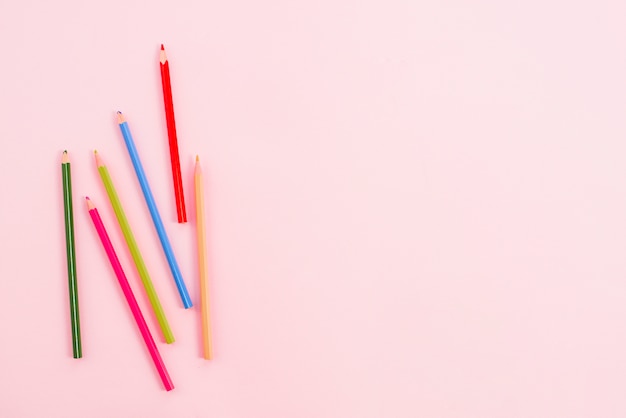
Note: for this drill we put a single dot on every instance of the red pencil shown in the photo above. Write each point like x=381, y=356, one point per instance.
x=171, y=133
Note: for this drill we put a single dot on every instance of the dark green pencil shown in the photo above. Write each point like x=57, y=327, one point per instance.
x=71, y=255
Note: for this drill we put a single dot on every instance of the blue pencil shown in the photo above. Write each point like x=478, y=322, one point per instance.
x=154, y=212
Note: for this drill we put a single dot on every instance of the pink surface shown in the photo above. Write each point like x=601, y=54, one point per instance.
x=415, y=209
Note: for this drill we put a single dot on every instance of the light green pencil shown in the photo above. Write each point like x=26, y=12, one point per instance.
x=134, y=250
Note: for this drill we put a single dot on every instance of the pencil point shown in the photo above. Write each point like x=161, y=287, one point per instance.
x=99, y=162
x=162, y=49
x=65, y=159
x=120, y=117
x=162, y=56
x=197, y=158
x=90, y=204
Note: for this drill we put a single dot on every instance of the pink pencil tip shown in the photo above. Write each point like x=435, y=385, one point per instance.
x=87, y=197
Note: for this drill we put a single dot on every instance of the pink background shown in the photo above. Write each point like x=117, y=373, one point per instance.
x=415, y=209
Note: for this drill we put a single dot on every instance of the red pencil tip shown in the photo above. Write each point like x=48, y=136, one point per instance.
x=162, y=49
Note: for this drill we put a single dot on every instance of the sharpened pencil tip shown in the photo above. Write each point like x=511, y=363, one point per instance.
x=120, y=117
x=90, y=204
x=99, y=162
x=197, y=158
x=87, y=198
x=65, y=158
x=162, y=55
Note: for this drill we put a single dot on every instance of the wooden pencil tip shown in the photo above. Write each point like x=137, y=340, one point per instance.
x=90, y=204
x=99, y=162
x=197, y=159
x=66, y=158
x=120, y=117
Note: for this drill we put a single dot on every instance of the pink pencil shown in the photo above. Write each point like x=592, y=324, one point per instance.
x=130, y=297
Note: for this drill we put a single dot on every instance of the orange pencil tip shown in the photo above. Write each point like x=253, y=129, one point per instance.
x=197, y=158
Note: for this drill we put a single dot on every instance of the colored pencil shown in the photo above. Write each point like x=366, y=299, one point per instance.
x=171, y=134
x=154, y=212
x=207, y=342
x=134, y=249
x=130, y=297
x=71, y=255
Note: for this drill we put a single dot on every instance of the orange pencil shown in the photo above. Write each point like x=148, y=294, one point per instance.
x=207, y=342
